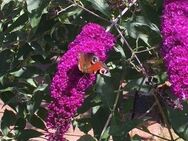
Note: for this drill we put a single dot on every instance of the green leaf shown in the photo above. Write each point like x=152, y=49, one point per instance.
x=152, y=10
x=106, y=135
x=105, y=89
x=119, y=49
x=136, y=84
x=84, y=125
x=32, y=5
x=179, y=121
x=4, y=2
x=5, y=61
x=102, y=114
x=122, y=138
x=8, y=119
x=27, y=134
x=136, y=138
x=41, y=88
x=18, y=73
x=43, y=27
x=9, y=98
x=8, y=89
x=120, y=128
x=91, y=101
x=36, y=8
x=115, y=126
x=86, y=138
x=7, y=7
x=101, y=5
x=139, y=28
x=20, y=124
x=37, y=99
x=130, y=124
x=34, y=20
x=31, y=82
x=37, y=122
x=19, y=21
x=42, y=113
x=24, y=51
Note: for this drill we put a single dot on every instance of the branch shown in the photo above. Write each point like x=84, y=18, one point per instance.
x=132, y=51
x=163, y=116
x=114, y=22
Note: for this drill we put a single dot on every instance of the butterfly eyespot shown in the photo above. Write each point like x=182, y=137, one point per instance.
x=94, y=59
x=103, y=71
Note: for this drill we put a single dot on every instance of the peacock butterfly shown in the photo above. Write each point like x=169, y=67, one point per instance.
x=90, y=63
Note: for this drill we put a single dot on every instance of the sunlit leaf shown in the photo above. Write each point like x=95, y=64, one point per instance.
x=36, y=8
x=120, y=50
x=20, y=21
x=31, y=82
x=101, y=5
x=7, y=89
x=18, y=73
x=106, y=135
x=32, y=5
x=139, y=28
x=4, y=2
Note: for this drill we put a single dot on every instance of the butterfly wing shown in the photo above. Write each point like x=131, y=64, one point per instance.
x=97, y=67
x=89, y=63
x=84, y=62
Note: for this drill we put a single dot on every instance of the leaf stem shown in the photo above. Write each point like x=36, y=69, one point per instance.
x=65, y=9
x=163, y=115
x=148, y=49
x=148, y=111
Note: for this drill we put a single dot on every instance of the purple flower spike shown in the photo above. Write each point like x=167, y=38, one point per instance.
x=175, y=45
x=69, y=84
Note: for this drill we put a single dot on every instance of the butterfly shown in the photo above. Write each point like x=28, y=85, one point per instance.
x=90, y=63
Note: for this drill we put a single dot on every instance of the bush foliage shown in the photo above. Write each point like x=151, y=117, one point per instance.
x=34, y=33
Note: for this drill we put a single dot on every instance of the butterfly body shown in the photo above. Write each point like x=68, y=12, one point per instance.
x=90, y=63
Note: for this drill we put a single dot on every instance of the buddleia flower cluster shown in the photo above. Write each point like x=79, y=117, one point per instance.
x=174, y=28
x=69, y=84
